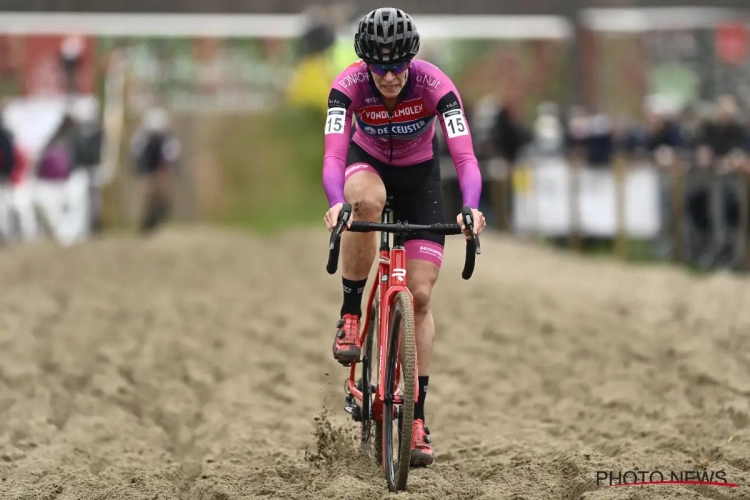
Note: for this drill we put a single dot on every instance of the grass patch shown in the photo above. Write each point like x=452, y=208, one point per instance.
x=271, y=167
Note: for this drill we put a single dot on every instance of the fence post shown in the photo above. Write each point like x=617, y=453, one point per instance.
x=677, y=172
x=575, y=166
x=717, y=204
x=130, y=188
x=620, y=171
x=115, y=199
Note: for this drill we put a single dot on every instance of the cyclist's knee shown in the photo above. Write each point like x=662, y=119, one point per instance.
x=422, y=293
x=367, y=195
x=368, y=208
x=422, y=277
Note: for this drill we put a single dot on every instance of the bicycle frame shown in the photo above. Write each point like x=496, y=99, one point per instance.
x=391, y=279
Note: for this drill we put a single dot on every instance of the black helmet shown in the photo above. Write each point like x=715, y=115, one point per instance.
x=386, y=28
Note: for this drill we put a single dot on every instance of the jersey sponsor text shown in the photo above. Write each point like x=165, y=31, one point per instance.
x=428, y=81
x=354, y=78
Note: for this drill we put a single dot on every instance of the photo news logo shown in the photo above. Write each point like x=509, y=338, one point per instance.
x=644, y=478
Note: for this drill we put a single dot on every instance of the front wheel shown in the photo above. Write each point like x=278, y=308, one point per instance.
x=401, y=339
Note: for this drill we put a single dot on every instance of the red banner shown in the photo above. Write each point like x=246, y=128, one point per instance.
x=731, y=43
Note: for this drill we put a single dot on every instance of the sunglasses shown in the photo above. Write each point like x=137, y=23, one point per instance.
x=383, y=69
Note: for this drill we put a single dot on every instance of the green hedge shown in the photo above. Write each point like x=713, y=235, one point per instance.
x=271, y=169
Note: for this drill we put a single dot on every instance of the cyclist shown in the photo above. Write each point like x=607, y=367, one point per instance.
x=394, y=101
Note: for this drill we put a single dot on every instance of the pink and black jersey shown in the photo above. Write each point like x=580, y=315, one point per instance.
x=403, y=138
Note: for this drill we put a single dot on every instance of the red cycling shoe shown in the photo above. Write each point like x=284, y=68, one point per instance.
x=421, y=450
x=346, y=348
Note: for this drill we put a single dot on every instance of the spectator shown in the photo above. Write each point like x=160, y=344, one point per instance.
x=317, y=35
x=20, y=168
x=548, y=131
x=56, y=159
x=23, y=202
x=723, y=136
x=71, y=58
x=508, y=135
x=598, y=141
x=342, y=53
x=689, y=125
x=7, y=157
x=87, y=141
x=156, y=152
x=311, y=79
x=661, y=131
x=7, y=167
x=482, y=121
x=53, y=173
x=575, y=127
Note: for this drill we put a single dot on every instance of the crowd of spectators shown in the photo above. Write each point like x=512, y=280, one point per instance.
x=700, y=139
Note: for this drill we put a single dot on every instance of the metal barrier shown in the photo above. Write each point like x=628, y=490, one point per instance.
x=703, y=213
x=716, y=219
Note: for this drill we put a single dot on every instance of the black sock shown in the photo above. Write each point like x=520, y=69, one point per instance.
x=353, y=291
x=419, y=407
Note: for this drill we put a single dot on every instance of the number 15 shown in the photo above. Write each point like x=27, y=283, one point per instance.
x=334, y=124
x=456, y=126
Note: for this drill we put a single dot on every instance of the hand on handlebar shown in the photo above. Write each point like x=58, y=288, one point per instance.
x=478, y=221
x=331, y=217
x=471, y=222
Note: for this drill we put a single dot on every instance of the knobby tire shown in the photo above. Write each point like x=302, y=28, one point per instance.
x=402, y=319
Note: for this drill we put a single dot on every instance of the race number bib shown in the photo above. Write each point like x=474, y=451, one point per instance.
x=335, y=121
x=455, y=123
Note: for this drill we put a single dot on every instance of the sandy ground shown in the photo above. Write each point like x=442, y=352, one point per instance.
x=197, y=365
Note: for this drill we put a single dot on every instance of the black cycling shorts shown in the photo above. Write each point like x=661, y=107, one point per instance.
x=415, y=195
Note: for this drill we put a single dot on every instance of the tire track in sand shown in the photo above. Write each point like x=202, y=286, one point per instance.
x=196, y=365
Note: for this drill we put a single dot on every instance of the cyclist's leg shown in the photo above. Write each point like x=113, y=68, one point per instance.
x=421, y=202
x=365, y=191
x=424, y=253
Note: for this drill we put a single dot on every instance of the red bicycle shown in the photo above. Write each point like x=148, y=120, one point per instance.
x=392, y=393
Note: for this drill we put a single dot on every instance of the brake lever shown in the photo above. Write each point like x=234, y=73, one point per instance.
x=335, y=242
x=468, y=219
x=343, y=218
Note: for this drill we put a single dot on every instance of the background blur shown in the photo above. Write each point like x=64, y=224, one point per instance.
x=614, y=126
